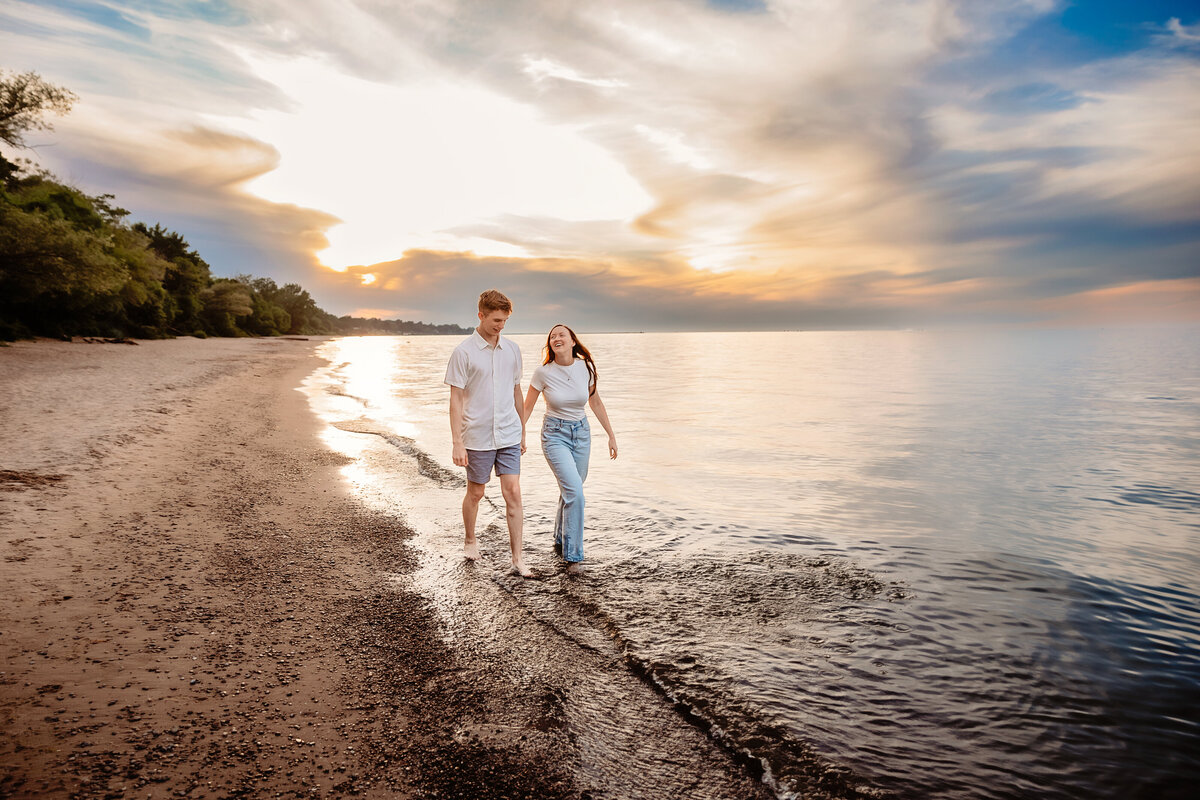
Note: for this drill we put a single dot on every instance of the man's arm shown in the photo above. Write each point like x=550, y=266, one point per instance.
x=459, y=452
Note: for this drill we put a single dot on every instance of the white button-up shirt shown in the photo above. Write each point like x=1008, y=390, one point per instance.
x=487, y=376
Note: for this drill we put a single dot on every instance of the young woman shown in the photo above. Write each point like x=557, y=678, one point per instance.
x=568, y=379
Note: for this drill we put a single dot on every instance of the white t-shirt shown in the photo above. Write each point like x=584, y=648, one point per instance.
x=487, y=376
x=566, y=388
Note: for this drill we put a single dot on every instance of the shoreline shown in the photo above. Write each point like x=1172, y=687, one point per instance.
x=201, y=607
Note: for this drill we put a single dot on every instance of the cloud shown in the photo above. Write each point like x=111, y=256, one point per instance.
x=1116, y=198
x=1148, y=302
x=542, y=69
x=1032, y=98
x=600, y=296
x=192, y=180
x=666, y=294
x=1180, y=35
x=787, y=163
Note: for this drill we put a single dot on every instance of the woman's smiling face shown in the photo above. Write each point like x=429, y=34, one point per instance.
x=561, y=340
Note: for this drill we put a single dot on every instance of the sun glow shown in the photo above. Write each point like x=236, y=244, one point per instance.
x=419, y=166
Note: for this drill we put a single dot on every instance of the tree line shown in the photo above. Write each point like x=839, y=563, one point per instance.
x=71, y=264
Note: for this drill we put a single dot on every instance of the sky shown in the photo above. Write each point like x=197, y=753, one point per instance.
x=651, y=164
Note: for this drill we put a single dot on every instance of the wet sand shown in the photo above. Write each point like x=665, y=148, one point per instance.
x=195, y=606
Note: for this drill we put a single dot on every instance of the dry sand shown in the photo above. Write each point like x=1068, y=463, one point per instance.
x=193, y=605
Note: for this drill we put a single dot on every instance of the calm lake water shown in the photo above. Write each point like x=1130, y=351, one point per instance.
x=932, y=564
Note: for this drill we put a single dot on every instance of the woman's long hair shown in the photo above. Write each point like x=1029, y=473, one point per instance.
x=577, y=351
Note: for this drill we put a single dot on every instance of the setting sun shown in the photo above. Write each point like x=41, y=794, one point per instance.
x=442, y=159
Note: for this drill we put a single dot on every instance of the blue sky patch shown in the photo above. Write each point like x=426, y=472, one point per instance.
x=103, y=15
x=120, y=17
x=218, y=12
x=1119, y=26
x=1092, y=30
x=755, y=6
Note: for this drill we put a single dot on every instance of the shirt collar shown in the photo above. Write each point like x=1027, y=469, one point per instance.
x=482, y=343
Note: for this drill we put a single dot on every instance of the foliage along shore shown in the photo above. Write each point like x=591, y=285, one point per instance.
x=70, y=264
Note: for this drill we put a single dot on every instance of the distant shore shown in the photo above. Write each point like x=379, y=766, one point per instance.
x=195, y=606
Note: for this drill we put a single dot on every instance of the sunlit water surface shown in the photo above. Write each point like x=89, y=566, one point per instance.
x=957, y=565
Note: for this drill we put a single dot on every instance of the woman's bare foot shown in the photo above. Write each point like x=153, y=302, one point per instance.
x=519, y=568
x=471, y=550
x=576, y=568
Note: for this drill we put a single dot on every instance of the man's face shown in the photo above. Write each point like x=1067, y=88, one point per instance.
x=492, y=322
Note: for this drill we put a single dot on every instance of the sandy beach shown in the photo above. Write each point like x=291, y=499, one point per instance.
x=195, y=606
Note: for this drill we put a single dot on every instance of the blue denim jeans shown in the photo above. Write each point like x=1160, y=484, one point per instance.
x=567, y=446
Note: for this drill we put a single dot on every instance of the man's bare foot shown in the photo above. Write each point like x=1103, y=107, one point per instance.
x=576, y=568
x=519, y=568
x=471, y=550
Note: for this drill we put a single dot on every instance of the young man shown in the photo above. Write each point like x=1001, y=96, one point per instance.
x=484, y=375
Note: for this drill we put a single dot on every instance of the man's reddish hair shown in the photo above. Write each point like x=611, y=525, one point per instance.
x=493, y=300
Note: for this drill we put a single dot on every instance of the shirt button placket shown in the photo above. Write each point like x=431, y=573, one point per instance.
x=495, y=402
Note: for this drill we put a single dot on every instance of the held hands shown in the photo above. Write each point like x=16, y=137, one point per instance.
x=459, y=455
x=522, y=442
x=612, y=447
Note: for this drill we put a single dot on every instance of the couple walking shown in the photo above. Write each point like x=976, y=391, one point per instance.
x=488, y=425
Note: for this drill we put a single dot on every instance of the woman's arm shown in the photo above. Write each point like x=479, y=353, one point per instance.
x=520, y=413
x=530, y=401
x=597, y=406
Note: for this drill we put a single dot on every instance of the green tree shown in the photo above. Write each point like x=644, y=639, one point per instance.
x=305, y=316
x=42, y=254
x=47, y=268
x=25, y=99
x=168, y=244
x=266, y=318
x=187, y=276
x=145, y=308
x=223, y=302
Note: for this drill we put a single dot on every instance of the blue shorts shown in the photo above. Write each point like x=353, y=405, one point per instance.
x=507, y=461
